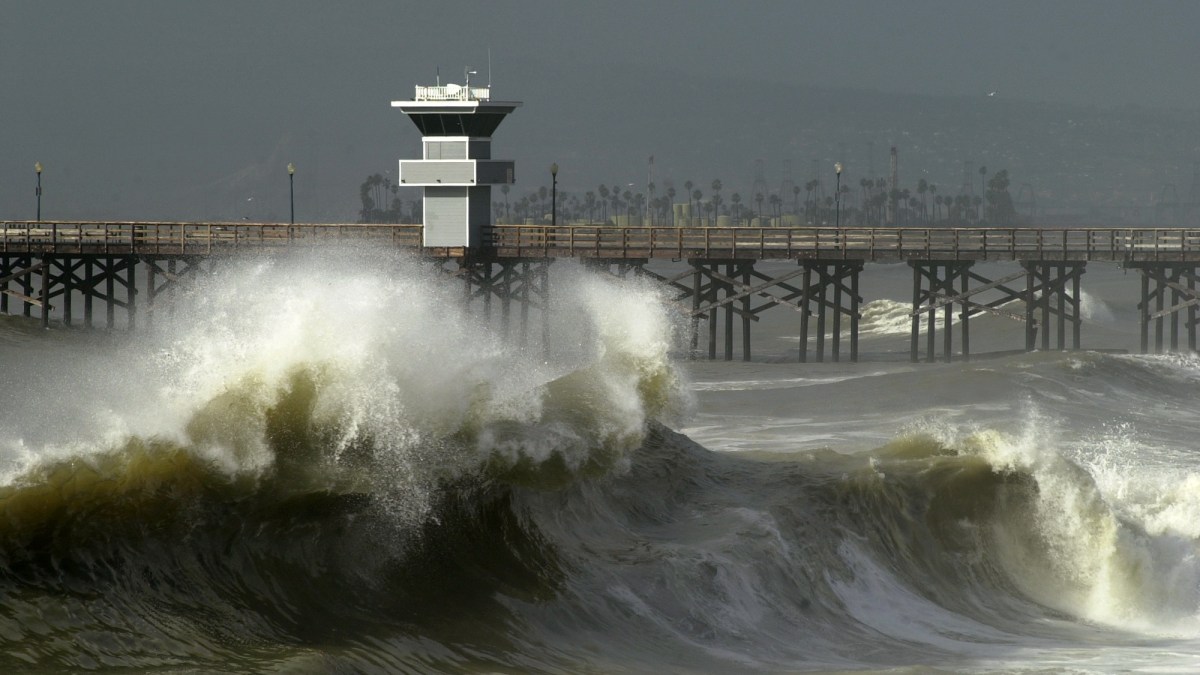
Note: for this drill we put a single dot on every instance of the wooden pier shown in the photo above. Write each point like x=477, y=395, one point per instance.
x=52, y=266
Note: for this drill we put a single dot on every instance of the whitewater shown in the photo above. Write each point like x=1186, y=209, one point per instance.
x=327, y=463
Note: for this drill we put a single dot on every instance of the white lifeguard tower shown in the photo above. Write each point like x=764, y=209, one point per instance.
x=456, y=171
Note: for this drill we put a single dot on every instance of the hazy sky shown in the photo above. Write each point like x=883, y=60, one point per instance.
x=205, y=102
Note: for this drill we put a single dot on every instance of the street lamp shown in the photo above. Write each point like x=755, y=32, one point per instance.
x=292, y=190
x=554, y=195
x=37, y=168
x=837, y=168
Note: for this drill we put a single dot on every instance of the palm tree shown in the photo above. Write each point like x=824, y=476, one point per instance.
x=879, y=204
x=697, y=195
x=736, y=199
x=758, y=197
x=716, y=199
x=962, y=203
x=687, y=189
x=982, y=187
x=922, y=189
x=504, y=189
x=539, y=202
x=603, y=190
x=589, y=200
x=866, y=184
x=809, y=204
x=671, y=202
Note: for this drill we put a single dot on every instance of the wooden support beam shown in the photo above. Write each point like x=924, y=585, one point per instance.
x=728, y=289
x=25, y=272
x=1188, y=272
x=27, y=287
x=943, y=300
x=22, y=297
x=855, y=299
x=525, y=284
x=804, y=313
x=965, y=315
x=822, y=305
x=151, y=290
x=88, y=284
x=697, y=272
x=45, y=295
x=747, y=269
x=131, y=292
x=110, y=278
x=915, y=332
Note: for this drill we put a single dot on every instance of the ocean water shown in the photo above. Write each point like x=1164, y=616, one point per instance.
x=309, y=465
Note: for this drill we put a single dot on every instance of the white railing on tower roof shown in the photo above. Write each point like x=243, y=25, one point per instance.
x=452, y=92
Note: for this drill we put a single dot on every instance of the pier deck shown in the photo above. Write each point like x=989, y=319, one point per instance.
x=62, y=262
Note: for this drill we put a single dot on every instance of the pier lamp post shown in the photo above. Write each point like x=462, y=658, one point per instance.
x=292, y=190
x=837, y=168
x=37, y=168
x=554, y=195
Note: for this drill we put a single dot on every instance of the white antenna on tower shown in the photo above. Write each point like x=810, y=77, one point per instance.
x=489, y=67
x=439, y=76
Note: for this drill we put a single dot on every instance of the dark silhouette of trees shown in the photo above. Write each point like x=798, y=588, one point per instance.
x=716, y=199
x=589, y=200
x=1000, y=209
x=919, y=205
x=380, y=200
x=603, y=190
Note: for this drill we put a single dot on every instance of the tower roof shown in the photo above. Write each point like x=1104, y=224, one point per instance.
x=453, y=110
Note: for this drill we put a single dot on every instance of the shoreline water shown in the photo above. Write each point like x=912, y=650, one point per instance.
x=387, y=484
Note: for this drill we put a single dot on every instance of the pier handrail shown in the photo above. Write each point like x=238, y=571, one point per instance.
x=604, y=241
x=852, y=243
x=189, y=238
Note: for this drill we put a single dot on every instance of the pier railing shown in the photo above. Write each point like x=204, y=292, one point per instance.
x=118, y=238
x=539, y=241
x=853, y=243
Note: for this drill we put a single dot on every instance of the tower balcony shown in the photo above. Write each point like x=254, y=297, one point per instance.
x=426, y=172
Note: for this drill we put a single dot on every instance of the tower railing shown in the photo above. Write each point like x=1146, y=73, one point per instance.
x=452, y=92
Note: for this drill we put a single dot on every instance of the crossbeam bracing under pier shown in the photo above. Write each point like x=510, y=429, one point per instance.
x=1156, y=280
